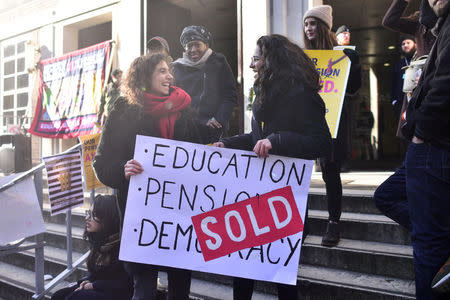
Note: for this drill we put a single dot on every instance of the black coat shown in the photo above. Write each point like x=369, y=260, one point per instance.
x=118, y=139
x=427, y=116
x=341, y=146
x=296, y=128
x=212, y=88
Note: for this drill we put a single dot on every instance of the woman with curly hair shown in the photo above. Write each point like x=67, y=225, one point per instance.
x=152, y=106
x=107, y=278
x=288, y=118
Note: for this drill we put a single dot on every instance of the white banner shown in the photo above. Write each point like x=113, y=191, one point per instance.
x=20, y=213
x=181, y=180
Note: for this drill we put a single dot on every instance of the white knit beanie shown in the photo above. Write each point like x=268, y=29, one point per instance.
x=322, y=12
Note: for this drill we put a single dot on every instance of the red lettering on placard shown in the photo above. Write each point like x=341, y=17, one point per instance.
x=256, y=221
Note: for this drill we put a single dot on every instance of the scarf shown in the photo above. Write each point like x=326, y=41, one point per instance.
x=104, y=251
x=185, y=60
x=166, y=110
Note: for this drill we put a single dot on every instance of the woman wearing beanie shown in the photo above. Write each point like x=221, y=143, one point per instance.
x=152, y=106
x=317, y=23
x=207, y=77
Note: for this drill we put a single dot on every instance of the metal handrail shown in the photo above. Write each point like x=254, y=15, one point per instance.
x=32, y=171
x=38, y=245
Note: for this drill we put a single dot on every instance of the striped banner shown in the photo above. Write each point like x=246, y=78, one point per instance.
x=65, y=186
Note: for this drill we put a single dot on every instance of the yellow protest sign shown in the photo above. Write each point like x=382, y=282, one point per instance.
x=90, y=143
x=333, y=67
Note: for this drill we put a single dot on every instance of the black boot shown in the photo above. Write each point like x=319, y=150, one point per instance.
x=331, y=236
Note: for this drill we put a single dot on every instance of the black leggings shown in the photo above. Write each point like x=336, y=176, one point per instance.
x=331, y=174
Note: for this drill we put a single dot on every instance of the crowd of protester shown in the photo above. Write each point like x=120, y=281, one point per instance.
x=288, y=120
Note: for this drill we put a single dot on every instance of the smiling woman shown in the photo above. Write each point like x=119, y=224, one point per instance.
x=161, y=80
x=152, y=106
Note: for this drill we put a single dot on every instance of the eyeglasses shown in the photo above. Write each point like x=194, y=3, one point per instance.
x=90, y=214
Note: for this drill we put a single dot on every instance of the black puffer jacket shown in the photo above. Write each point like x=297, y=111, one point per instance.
x=427, y=116
x=118, y=139
x=212, y=88
x=296, y=127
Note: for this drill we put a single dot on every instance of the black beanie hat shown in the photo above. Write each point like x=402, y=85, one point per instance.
x=342, y=29
x=195, y=33
x=407, y=37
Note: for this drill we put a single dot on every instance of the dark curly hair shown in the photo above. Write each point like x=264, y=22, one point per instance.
x=138, y=78
x=325, y=38
x=285, y=66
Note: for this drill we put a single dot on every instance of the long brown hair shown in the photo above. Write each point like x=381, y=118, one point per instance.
x=139, y=75
x=325, y=38
x=285, y=66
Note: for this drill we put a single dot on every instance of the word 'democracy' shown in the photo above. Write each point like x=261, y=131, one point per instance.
x=252, y=222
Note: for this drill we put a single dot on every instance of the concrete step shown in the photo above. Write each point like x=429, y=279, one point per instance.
x=202, y=287
x=78, y=217
x=55, y=261
x=323, y=283
x=358, y=201
x=18, y=283
x=55, y=236
x=327, y=283
x=357, y=226
x=360, y=256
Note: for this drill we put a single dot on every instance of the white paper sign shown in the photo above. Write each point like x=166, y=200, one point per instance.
x=184, y=179
x=20, y=213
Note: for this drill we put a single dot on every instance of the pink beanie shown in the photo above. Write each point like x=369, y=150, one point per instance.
x=322, y=12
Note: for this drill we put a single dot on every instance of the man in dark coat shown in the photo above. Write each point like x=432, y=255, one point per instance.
x=206, y=76
x=427, y=161
x=408, y=46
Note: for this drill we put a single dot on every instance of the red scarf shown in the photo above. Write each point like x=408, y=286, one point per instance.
x=166, y=110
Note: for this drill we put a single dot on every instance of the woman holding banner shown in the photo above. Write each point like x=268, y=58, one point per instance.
x=288, y=118
x=152, y=107
x=317, y=34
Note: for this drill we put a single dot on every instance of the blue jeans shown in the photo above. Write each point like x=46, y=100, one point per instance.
x=428, y=193
x=390, y=198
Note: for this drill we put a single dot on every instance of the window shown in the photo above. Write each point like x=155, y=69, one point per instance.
x=15, y=83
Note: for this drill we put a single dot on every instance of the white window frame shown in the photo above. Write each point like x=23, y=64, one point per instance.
x=15, y=91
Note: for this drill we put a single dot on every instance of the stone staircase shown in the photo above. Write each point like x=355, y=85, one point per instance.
x=372, y=261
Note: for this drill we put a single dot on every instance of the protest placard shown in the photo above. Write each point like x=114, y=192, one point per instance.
x=249, y=223
x=181, y=180
x=334, y=68
x=65, y=188
x=89, y=148
x=20, y=213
